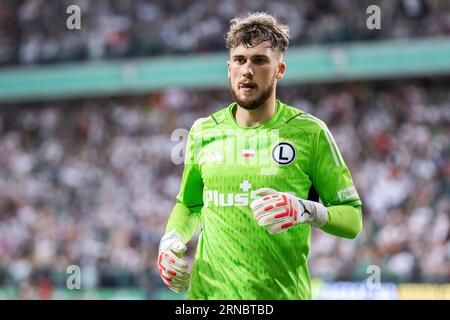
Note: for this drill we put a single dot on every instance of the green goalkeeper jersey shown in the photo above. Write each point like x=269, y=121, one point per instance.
x=225, y=164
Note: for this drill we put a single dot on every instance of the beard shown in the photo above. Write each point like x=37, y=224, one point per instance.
x=256, y=102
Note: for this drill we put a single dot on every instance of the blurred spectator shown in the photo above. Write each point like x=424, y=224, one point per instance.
x=34, y=31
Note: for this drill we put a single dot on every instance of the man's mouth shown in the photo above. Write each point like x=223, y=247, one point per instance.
x=247, y=87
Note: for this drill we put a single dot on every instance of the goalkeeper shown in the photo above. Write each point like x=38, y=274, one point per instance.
x=258, y=175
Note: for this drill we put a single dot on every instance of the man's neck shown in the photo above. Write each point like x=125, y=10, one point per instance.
x=253, y=118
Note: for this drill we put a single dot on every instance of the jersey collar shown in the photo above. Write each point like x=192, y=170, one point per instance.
x=279, y=107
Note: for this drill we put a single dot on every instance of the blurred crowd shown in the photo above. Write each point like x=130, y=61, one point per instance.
x=91, y=183
x=35, y=31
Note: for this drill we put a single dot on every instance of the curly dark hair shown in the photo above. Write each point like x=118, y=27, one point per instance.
x=254, y=28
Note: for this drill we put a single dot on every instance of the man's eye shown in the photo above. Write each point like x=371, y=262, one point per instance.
x=259, y=61
x=240, y=60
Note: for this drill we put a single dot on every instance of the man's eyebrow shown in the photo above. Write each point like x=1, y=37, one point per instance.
x=260, y=56
x=252, y=57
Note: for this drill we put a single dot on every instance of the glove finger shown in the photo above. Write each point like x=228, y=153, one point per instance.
x=266, y=207
x=165, y=276
x=174, y=273
x=162, y=262
x=268, y=219
x=179, y=286
x=265, y=201
x=259, y=212
x=174, y=287
x=278, y=212
x=178, y=274
x=169, y=273
x=178, y=248
x=280, y=226
x=177, y=289
x=179, y=279
x=272, y=218
x=181, y=282
x=270, y=208
x=179, y=265
x=166, y=282
x=169, y=258
x=265, y=192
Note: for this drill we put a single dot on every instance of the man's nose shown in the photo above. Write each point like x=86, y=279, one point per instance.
x=248, y=70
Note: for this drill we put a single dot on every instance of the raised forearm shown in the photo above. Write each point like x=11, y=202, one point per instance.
x=343, y=221
x=185, y=220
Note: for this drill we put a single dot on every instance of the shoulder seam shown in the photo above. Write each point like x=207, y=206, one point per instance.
x=216, y=121
x=310, y=117
x=305, y=116
x=220, y=113
x=202, y=120
x=295, y=116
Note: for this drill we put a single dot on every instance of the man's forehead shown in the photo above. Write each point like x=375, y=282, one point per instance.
x=263, y=48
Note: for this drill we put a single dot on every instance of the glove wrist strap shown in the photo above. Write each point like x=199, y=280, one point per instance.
x=168, y=239
x=319, y=214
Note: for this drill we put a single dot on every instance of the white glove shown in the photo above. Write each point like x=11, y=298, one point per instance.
x=172, y=268
x=281, y=211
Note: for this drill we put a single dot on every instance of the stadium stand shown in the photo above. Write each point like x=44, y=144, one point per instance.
x=81, y=180
x=29, y=32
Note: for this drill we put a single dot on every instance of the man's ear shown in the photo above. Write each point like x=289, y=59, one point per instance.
x=229, y=68
x=281, y=70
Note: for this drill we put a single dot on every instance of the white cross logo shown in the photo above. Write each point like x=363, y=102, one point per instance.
x=245, y=186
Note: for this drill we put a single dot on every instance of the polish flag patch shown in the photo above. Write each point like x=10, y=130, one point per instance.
x=248, y=153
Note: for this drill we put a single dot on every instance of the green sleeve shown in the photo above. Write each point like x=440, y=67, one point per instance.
x=333, y=182
x=343, y=221
x=184, y=221
x=185, y=216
